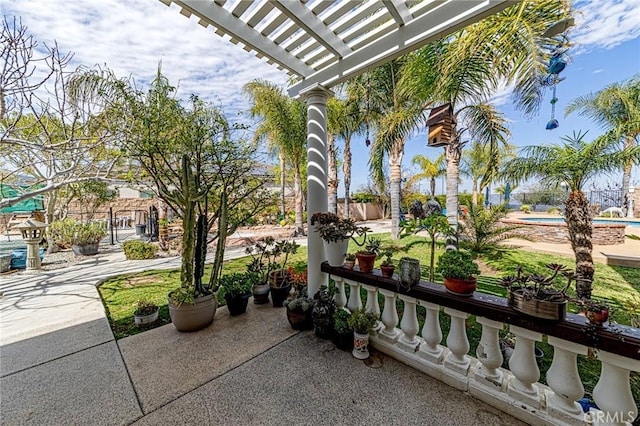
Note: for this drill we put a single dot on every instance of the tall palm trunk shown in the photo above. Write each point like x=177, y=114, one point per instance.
x=474, y=193
x=579, y=224
x=346, y=170
x=433, y=187
x=453, y=152
x=283, y=176
x=332, y=181
x=395, y=178
x=299, y=201
x=626, y=176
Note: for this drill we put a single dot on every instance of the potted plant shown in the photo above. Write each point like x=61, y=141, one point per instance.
x=336, y=233
x=387, y=267
x=342, y=332
x=367, y=257
x=534, y=295
x=458, y=270
x=350, y=261
x=259, y=267
x=299, y=305
x=236, y=289
x=278, y=276
x=145, y=313
x=597, y=312
x=83, y=238
x=323, y=310
x=362, y=323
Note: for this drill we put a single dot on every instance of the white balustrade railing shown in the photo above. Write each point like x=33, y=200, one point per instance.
x=515, y=390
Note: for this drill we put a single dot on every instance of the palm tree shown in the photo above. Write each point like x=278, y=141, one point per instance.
x=617, y=109
x=476, y=162
x=394, y=115
x=465, y=68
x=284, y=126
x=344, y=119
x=429, y=170
x=574, y=162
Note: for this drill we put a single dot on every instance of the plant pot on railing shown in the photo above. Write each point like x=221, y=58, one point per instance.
x=409, y=272
x=366, y=261
x=336, y=251
x=460, y=287
x=543, y=309
x=459, y=270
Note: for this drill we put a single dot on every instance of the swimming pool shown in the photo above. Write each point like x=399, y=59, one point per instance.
x=634, y=224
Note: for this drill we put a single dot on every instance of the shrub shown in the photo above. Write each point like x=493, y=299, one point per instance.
x=554, y=210
x=457, y=264
x=69, y=232
x=139, y=250
x=525, y=208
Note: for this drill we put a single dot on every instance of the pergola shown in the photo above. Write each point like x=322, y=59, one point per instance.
x=324, y=43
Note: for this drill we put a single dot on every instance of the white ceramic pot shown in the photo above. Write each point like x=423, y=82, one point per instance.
x=360, y=345
x=336, y=252
x=146, y=319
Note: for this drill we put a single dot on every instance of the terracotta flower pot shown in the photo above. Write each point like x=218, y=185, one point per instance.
x=387, y=271
x=349, y=264
x=366, y=261
x=460, y=287
x=597, y=317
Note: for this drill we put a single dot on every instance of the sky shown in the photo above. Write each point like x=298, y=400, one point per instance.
x=132, y=37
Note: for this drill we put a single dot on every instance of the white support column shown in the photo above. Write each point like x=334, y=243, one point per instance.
x=489, y=354
x=409, y=325
x=340, y=296
x=612, y=393
x=564, y=381
x=457, y=342
x=317, y=149
x=355, y=301
x=431, y=350
x=389, y=317
x=524, y=367
x=372, y=299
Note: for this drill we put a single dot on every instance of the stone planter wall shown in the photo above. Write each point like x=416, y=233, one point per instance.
x=603, y=234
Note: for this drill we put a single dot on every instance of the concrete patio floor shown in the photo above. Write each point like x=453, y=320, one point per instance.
x=60, y=365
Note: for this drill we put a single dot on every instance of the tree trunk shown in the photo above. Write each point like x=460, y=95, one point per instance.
x=299, y=202
x=453, y=152
x=474, y=193
x=626, y=176
x=579, y=224
x=346, y=170
x=283, y=205
x=332, y=181
x=395, y=178
x=433, y=187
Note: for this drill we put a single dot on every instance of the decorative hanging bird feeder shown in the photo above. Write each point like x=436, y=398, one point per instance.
x=441, y=124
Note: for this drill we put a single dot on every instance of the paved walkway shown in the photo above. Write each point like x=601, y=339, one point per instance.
x=60, y=365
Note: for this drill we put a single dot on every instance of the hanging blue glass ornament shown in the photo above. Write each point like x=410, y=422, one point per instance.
x=556, y=64
x=552, y=124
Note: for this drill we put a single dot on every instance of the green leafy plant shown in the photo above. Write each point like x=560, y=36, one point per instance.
x=482, y=230
x=362, y=321
x=139, y=250
x=324, y=307
x=525, y=208
x=372, y=246
x=341, y=322
x=435, y=224
x=270, y=255
x=71, y=232
x=235, y=285
x=333, y=228
x=351, y=257
x=144, y=307
x=388, y=258
x=300, y=304
x=539, y=287
x=457, y=264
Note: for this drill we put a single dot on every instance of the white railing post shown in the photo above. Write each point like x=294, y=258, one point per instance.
x=524, y=367
x=457, y=361
x=564, y=380
x=612, y=394
x=489, y=354
x=340, y=297
x=355, y=301
x=409, y=325
x=431, y=350
x=372, y=299
x=389, y=317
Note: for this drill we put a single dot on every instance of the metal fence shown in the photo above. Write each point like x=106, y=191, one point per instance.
x=541, y=201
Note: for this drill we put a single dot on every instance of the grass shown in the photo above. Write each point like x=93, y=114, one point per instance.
x=620, y=286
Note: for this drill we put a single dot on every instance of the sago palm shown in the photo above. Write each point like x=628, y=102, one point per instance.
x=573, y=162
x=616, y=108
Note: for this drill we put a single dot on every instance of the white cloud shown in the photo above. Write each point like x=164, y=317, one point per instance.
x=606, y=23
x=131, y=37
x=598, y=71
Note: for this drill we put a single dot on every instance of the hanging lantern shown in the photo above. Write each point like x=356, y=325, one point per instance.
x=552, y=124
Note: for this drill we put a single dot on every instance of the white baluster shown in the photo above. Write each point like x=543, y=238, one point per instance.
x=524, y=367
x=489, y=354
x=389, y=317
x=612, y=393
x=409, y=325
x=372, y=299
x=564, y=380
x=457, y=342
x=340, y=297
x=432, y=334
x=355, y=301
